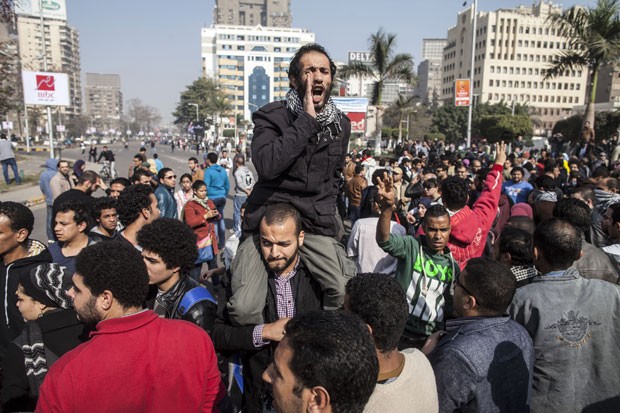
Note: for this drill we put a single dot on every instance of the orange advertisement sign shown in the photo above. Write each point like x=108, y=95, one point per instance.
x=461, y=92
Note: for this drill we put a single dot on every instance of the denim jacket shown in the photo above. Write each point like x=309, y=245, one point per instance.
x=483, y=364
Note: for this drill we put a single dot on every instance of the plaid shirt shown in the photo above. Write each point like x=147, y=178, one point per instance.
x=285, y=303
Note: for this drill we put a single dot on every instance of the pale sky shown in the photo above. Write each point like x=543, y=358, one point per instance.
x=154, y=45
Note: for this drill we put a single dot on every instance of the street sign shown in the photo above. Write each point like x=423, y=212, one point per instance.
x=461, y=94
x=8, y=125
x=60, y=128
x=46, y=88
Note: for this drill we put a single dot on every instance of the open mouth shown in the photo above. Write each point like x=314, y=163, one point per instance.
x=317, y=94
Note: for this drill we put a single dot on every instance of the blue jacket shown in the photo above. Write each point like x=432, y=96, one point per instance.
x=484, y=364
x=165, y=202
x=217, y=182
x=45, y=178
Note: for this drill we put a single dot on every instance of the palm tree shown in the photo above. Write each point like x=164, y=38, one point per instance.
x=593, y=41
x=385, y=66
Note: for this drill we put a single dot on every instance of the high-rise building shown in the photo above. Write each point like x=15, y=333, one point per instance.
x=514, y=48
x=104, y=100
x=62, y=46
x=429, y=70
x=272, y=13
x=251, y=63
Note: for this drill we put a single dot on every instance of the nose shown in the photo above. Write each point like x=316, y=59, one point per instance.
x=266, y=377
x=70, y=292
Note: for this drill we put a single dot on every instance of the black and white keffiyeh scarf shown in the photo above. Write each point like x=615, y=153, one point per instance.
x=329, y=117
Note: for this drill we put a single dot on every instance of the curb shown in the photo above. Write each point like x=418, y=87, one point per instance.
x=34, y=201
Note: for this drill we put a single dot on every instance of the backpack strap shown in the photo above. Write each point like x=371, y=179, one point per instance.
x=193, y=296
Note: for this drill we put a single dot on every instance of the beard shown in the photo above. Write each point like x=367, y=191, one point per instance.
x=301, y=92
x=278, y=266
x=88, y=314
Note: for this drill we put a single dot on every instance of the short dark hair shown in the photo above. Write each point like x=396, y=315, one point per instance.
x=197, y=184
x=436, y=211
x=546, y=182
x=294, y=71
x=612, y=184
x=586, y=192
x=574, y=211
x=139, y=173
x=517, y=169
x=88, y=176
x=140, y=156
x=155, y=156
x=120, y=180
x=454, y=192
x=117, y=267
x=193, y=159
x=101, y=204
x=186, y=175
x=615, y=213
x=358, y=168
x=600, y=172
x=81, y=211
x=279, y=213
x=492, y=283
x=519, y=244
x=62, y=161
x=19, y=215
x=172, y=240
x=559, y=242
x=132, y=201
x=162, y=172
x=381, y=303
x=335, y=350
x=212, y=157
x=522, y=222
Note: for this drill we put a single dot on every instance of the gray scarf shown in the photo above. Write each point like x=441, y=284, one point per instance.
x=329, y=117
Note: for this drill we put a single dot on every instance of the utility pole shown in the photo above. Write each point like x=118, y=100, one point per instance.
x=50, y=132
x=471, y=71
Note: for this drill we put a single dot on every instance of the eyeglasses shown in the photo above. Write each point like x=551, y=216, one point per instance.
x=458, y=282
x=170, y=177
x=428, y=186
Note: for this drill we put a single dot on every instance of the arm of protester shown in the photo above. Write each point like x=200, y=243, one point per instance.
x=486, y=205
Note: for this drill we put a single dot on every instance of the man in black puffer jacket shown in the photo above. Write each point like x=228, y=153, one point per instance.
x=169, y=251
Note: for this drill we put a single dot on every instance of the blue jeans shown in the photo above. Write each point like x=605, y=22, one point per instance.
x=354, y=214
x=5, y=170
x=238, y=201
x=220, y=203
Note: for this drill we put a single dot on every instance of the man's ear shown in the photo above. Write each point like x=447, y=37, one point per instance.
x=319, y=400
x=105, y=300
x=300, y=238
x=22, y=235
x=292, y=81
x=505, y=258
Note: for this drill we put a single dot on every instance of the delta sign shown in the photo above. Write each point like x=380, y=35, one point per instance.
x=45, y=88
x=355, y=109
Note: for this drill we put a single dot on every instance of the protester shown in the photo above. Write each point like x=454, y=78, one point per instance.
x=51, y=330
x=117, y=186
x=381, y=303
x=106, y=215
x=244, y=183
x=71, y=230
x=61, y=182
x=51, y=166
x=218, y=185
x=176, y=361
x=137, y=206
x=183, y=194
x=7, y=158
x=164, y=193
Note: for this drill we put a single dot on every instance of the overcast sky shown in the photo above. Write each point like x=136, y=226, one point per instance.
x=154, y=45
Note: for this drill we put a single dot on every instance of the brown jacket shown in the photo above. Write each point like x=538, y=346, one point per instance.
x=354, y=188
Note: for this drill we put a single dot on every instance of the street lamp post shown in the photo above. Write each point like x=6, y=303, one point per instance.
x=471, y=71
x=50, y=132
x=195, y=134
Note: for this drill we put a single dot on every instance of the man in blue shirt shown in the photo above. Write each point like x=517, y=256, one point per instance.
x=218, y=186
x=517, y=189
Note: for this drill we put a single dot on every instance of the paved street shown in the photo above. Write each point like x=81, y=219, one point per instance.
x=176, y=161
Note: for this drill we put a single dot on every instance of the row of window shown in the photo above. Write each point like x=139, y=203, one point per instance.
x=253, y=38
x=510, y=70
x=534, y=85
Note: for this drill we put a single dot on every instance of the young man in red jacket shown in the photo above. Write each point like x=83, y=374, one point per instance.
x=470, y=226
x=135, y=361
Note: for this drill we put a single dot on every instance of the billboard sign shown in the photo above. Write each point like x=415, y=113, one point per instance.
x=461, y=92
x=45, y=88
x=52, y=9
x=362, y=57
x=355, y=109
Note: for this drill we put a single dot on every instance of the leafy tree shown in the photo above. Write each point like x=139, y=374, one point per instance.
x=142, y=117
x=593, y=41
x=451, y=121
x=505, y=127
x=386, y=65
x=209, y=97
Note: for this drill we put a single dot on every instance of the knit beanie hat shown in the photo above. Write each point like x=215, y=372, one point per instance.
x=48, y=284
x=521, y=209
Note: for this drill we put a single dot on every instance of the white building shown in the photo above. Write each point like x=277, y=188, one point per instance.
x=62, y=46
x=104, y=100
x=251, y=62
x=514, y=47
x=429, y=70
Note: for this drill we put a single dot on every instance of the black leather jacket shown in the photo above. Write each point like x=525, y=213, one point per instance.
x=202, y=313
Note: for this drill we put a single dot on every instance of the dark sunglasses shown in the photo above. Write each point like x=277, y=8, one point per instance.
x=171, y=177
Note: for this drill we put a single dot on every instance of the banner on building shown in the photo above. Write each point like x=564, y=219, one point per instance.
x=45, y=88
x=355, y=109
x=461, y=92
x=52, y=9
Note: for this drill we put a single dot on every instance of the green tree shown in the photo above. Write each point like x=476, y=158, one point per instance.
x=593, y=41
x=505, y=127
x=207, y=94
x=451, y=121
x=386, y=65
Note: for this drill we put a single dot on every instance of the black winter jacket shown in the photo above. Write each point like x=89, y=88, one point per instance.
x=295, y=164
x=202, y=313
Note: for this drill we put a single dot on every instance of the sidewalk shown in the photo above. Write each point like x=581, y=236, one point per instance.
x=32, y=165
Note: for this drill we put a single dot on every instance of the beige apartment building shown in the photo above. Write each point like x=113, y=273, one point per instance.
x=251, y=62
x=273, y=13
x=104, y=100
x=62, y=49
x=513, y=49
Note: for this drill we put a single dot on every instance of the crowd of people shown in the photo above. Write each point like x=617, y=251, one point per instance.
x=471, y=279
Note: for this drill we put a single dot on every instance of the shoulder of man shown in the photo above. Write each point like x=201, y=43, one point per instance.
x=270, y=107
